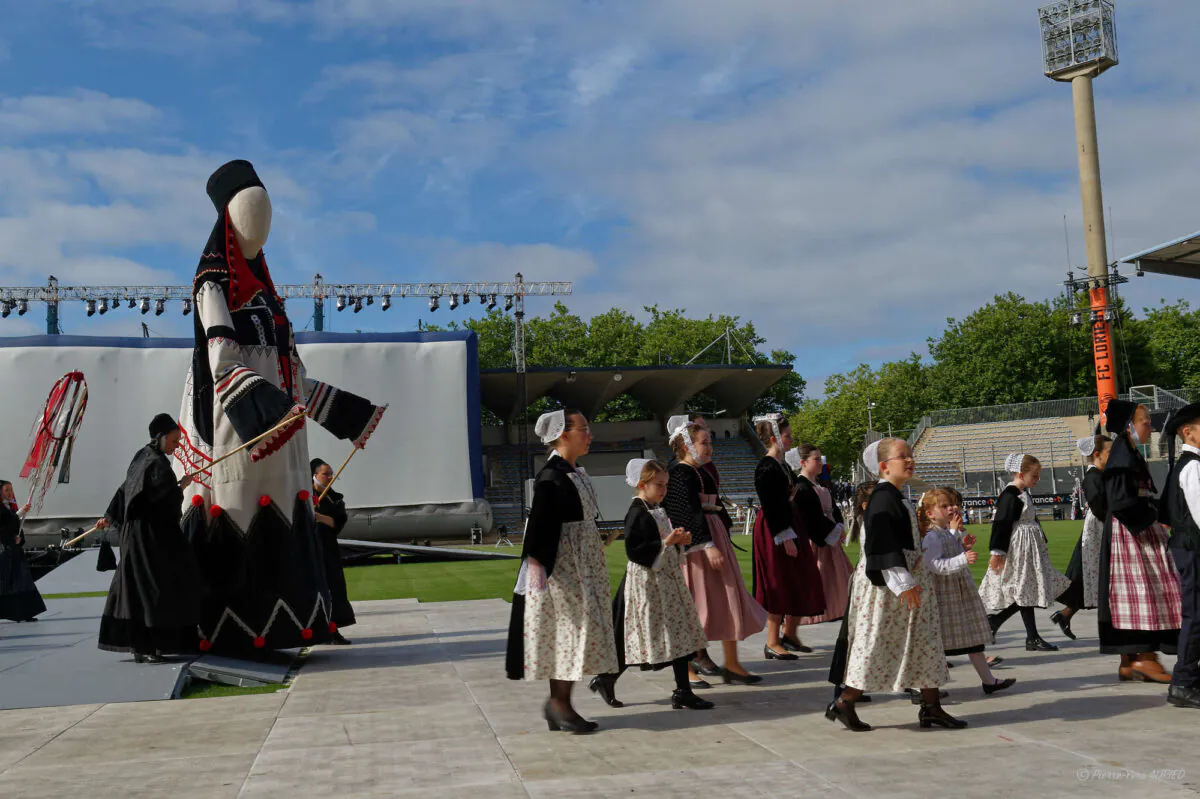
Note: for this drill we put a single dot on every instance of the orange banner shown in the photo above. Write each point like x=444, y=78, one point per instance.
x=1102, y=351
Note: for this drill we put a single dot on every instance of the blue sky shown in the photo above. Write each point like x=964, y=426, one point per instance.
x=845, y=174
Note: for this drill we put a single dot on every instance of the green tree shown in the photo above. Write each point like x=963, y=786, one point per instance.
x=1173, y=334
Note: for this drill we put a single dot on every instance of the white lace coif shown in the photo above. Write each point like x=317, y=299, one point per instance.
x=774, y=419
x=870, y=457
x=1012, y=464
x=550, y=426
x=1086, y=446
x=678, y=426
x=633, y=471
x=792, y=459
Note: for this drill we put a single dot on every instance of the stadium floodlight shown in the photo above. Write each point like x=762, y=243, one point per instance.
x=1079, y=42
x=508, y=303
x=103, y=305
x=160, y=306
x=357, y=304
x=1076, y=318
x=433, y=303
x=453, y=301
x=387, y=302
x=91, y=307
x=341, y=302
x=1077, y=35
x=22, y=307
x=491, y=306
x=187, y=307
x=144, y=304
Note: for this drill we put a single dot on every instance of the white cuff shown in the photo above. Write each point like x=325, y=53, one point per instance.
x=998, y=552
x=835, y=534
x=786, y=535
x=898, y=580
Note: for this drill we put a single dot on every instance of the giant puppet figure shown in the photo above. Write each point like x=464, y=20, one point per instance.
x=250, y=517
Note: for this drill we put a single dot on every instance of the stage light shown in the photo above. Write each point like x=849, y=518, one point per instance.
x=357, y=304
x=145, y=305
x=453, y=301
x=160, y=306
x=115, y=303
x=508, y=303
x=433, y=303
x=5, y=309
x=132, y=303
x=341, y=302
x=387, y=302
x=22, y=307
x=187, y=307
x=491, y=306
x=103, y=306
x=466, y=298
x=370, y=299
x=1077, y=318
x=91, y=307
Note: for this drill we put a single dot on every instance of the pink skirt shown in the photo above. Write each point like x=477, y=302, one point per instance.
x=836, y=573
x=727, y=611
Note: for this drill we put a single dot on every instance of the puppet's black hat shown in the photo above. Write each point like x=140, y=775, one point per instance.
x=228, y=180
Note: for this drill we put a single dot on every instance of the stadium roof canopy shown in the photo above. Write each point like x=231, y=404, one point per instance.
x=662, y=389
x=1180, y=258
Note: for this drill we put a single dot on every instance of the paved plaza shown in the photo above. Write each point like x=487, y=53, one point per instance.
x=419, y=706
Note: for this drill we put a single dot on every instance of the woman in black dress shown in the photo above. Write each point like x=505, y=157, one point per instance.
x=331, y=520
x=19, y=597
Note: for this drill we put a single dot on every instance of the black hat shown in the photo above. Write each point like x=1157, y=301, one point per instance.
x=162, y=424
x=317, y=463
x=1185, y=415
x=228, y=180
x=1118, y=414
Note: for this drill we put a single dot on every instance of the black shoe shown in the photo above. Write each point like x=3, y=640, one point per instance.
x=139, y=657
x=771, y=654
x=1064, y=623
x=576, y=725
x=687, y=699
x=999, y=685
x=844, y=712
x=794, y=645
x=605, y=685
x=1038, y=645
x=993, y=625
x=728, y=677
x=337, y=639
x=1184, y=696
x=995, y=661
x=699, y=684
x=915, y=695
x=704, y=666
x=934, y=716
x=949, y=665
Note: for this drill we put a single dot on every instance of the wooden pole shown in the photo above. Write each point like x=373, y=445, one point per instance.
x=250, y=443
x=345, y=463
x=79, y=538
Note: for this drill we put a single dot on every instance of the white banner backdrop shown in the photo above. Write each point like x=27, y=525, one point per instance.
x=424, y=452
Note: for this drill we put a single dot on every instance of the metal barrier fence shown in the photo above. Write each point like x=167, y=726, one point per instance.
x=1152, y=396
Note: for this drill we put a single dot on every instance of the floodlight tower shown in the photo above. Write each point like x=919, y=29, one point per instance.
x=1079, y=42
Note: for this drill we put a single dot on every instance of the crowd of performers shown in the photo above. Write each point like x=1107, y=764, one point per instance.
x=908, y=605
x=227, y=529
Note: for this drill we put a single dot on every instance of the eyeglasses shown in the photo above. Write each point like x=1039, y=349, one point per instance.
x=907, y=458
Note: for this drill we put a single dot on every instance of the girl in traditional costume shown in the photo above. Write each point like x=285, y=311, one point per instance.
x=249, y=517
x=561, y=624
x=859, y=500
x=964, y=622
x=822, y=521
x=1020, y=576
x=1139, y=594
x=894, y=636
x=1084, y=569
x=786, y=579
x=20, y=599
x=331, y=519
x=729, y=614
x=654, y=619
x=153, y=604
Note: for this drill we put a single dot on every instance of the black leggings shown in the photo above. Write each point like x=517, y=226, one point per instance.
x=1027, y=616
x=679, y=667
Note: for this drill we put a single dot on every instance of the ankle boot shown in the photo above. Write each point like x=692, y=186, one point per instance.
x=681, y=699
x=605, y=685
x=934, y=715
x=842, y=711
x=1038, y=644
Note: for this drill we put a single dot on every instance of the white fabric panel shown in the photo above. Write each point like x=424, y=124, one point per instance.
x=419, y=454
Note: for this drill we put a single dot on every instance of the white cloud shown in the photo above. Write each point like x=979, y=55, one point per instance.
x=599, y=78
x=81, y=112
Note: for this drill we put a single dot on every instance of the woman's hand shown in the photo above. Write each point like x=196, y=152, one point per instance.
x=996, y=563
x=789, y=547
x=185, y=481
x=25, y=508
x=678, y=536
x=102, y=524
x=912, y=597
x=325, y=520
x=972, y=556
x=537, y=576
x=715, y=558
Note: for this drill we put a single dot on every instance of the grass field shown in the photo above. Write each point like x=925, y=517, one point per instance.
x=490, y=579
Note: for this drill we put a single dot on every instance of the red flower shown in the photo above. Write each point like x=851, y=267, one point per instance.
x=306, y=633
x=197, y=500
x=264, y=500
x=215, y=511
x=205, y=645
x=303, y=496
x=332, y=627
x=260, y=642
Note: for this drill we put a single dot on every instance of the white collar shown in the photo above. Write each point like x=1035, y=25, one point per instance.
x=1191, y=449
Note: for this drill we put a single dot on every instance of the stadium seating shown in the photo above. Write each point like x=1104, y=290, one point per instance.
x=982, y=447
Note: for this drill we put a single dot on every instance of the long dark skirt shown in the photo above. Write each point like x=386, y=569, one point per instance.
x=19, y=598
x=783, y=584
x=341, y=614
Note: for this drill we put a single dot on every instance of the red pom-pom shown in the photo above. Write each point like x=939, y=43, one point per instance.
x=260, y=642
x=215, y=510
x=264, y=500
x=197, y=500
x=306, y=634
x=332, y=627
x=205, y=645
x=303, y=496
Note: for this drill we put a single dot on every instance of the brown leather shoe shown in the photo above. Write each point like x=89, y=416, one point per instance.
x=1125, y=672
x=1146, y=668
